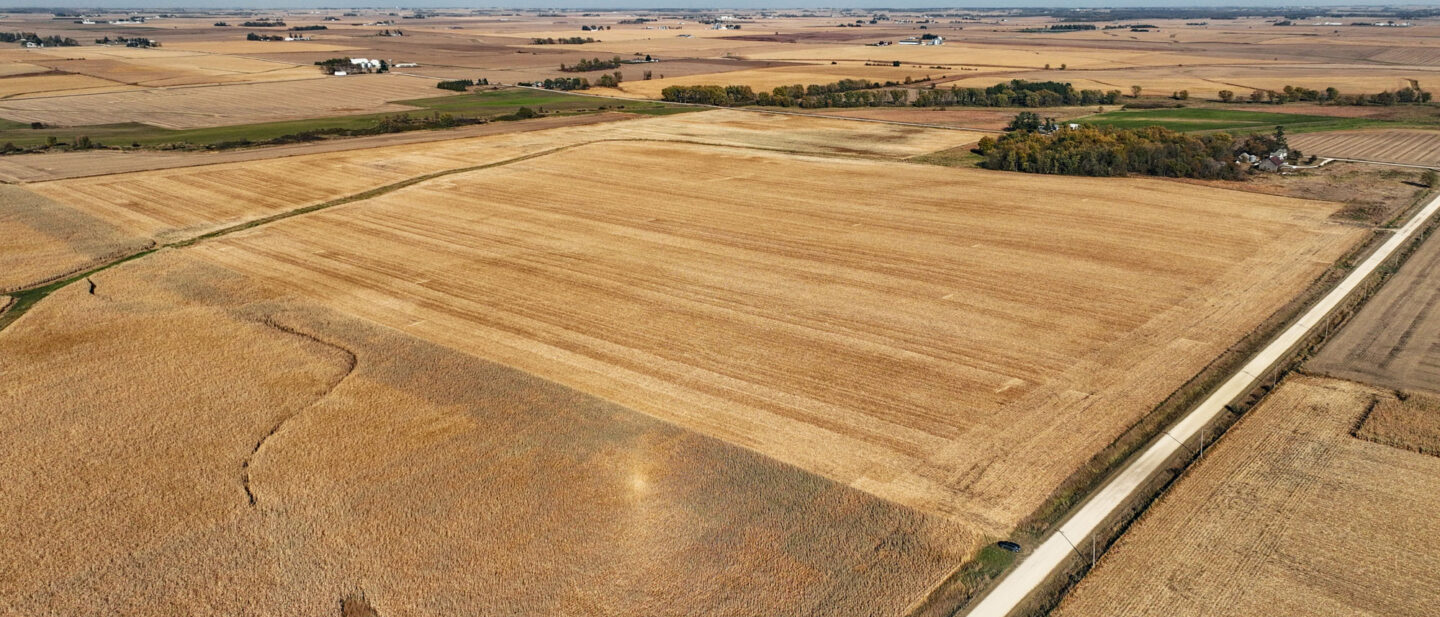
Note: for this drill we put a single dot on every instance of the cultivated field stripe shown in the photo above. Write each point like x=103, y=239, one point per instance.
x=1030, y=574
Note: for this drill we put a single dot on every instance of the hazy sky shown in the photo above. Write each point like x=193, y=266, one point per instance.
x=665, y=3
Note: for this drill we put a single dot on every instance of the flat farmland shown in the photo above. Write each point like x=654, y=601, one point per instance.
x=201, y=106
x=240, y=453
x=54, y=84
x=169, y=68
x=44, y=239
x=1018, y=56
x=765, y=80
x=1412, y=147
x=171, y=204
x=1288, y=515
x=915, y=332
x=1394, y=341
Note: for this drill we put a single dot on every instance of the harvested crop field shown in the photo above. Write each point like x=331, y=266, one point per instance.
x=1392, y=341
x=1410, y=423
x=765, y=80
x=201, y=106
x=78, y=164
x=912, y=331
x=239, y=453
x=1288, y=515
x=177, y=203
x=54, y=84
x=43, y=239
x=170, y=69
x=1411, y=147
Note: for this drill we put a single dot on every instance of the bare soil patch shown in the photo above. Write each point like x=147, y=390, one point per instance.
x=1391, y=342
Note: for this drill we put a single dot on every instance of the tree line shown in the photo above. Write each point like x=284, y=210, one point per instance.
x=593, y=64
x=1331, y=96
x=43, y=41
x=864, y=93
x=135, y=41
x=573, y=40
x=1108, y=151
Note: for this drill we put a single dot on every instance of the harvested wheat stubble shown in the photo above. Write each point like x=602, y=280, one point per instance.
x=174, y=203
x=1412, y=423
x=42, y=239
x=243, y=103
x=1288, y=515
x=916, y=332
x=432, y=481
x=1414, y=147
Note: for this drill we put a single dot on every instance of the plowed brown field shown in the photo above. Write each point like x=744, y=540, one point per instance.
x=1288, y=515
x=1391, y=342
x=915, y=332
x=1413, y=147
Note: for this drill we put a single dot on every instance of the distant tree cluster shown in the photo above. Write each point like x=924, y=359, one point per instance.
x=574, y=40
x=609, y=81
x=221, y=24
x=1017, y=93
x=336, y=65
x=864, y=93
x=593, y=28
x=1331, y=96
x=458, y=85
x=128, y=41
x=593, y=64
x=43, y=41
x=565, y=83
x=1061, y=28
x=264, y=37
x=1106, y=151
x=264, y=23
x=305, y=28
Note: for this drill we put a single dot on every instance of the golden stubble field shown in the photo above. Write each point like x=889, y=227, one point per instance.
x=202, y=106
x=189, y=440
x=1288, y=515
x=172, y=204
x=916, y=332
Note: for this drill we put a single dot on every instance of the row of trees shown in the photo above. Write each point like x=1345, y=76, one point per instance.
x=458, y=85
x=136, y=41
x=43, y=41
x=1092, y=151
x=304, y=28
x=574, y=40
x=1403, y=96
x=264, y=23
x=593, y=64
x=1016, y=93
x=565, y=83
x=863, y=93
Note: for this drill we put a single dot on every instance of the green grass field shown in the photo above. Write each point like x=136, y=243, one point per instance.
x=1190, y=119
x=485, y=104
